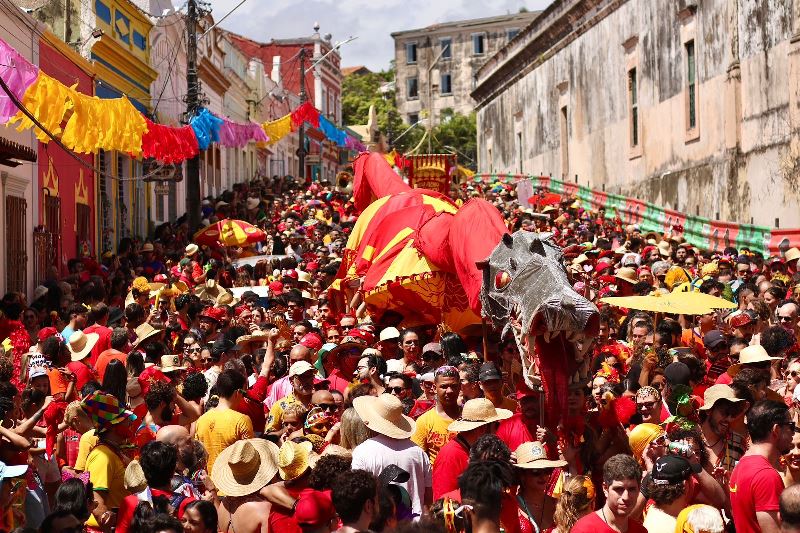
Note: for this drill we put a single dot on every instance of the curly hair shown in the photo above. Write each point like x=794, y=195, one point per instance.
x=195, y=386
x=160, y=392
x=351, y=491
x=489, y=447
x=326, y=470
x=576, y=499
x=296, y=409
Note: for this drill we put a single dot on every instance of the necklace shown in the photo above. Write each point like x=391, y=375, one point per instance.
x=603, y=513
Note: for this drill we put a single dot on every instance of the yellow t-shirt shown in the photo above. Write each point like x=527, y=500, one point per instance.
x=219, y=428
x=431, y=433
x=107, y=472
x=86, y=444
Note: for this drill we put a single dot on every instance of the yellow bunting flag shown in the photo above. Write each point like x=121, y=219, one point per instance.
x=278, y=129
x=104, y=124
x=48, y=100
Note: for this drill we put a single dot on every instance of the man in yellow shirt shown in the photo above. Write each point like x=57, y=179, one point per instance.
x=301, y=377
x=222, y=426
x=115, y=429
x=431, y=432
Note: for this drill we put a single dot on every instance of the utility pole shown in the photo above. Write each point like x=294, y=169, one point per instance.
x=301, y=150
x=192, y=103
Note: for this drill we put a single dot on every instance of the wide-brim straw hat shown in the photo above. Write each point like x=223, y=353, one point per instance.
x=293, y=459
x=256, y=336
x=143, y=332
x=627, y=274
x=718, y=392
x=155, y=288
x=245, y=467
x=532, y=456
x=384, y=414
x=792, y=254
x=134, y=479
x=80, y=344
x=476, y=413
x=172, y=363
x=751, y=354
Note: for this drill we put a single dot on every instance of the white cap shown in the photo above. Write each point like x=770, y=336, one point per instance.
x=300, y=367
x=395, y=366
x=388, y=334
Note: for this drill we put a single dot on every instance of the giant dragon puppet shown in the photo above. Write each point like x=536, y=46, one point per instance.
x=415, y=253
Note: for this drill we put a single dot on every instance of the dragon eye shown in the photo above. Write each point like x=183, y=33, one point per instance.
x=501, y=280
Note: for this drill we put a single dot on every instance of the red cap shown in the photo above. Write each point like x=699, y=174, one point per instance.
x=606, y=253
x=362, y=334
x=275, y=287
x=160, y=278
x=149, y=376
x=217, y=314
x=311, y=341
x=290, y=274
x=314, y=508
x=312, y=266
x=46, y=333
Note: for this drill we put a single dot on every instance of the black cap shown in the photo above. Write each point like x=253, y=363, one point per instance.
x=115, y=316
x=393, y=474
x=489, y=371
x=677, y=374
x=713, y=339
x=222, y=345
x=672, y=469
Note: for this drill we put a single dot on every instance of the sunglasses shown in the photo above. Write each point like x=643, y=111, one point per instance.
x=396, y=390
x=327, y=406
x=785, y=318
x=192, y=350
x=646, y=405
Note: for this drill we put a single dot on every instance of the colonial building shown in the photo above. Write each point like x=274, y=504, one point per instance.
x=323, y=85
x=687, y=104
x=436, y=66
x=19, y=186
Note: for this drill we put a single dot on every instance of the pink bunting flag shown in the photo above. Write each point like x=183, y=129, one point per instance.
x=18, y=73
x=236, y=135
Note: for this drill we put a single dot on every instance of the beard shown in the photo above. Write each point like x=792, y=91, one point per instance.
x=167, y=413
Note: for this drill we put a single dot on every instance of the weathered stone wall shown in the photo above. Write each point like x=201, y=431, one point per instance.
x=740, y=163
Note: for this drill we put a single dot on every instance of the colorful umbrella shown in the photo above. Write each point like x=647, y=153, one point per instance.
x=229, y=232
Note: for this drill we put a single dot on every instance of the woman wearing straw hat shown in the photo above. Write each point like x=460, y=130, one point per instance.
x=240, y=472
x=535, y=470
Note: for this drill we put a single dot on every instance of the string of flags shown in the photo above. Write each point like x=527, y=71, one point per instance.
x=94, y=124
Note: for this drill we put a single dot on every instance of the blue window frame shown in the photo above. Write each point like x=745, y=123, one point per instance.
x=124, y=37
x=139, y=40
x=103, y=11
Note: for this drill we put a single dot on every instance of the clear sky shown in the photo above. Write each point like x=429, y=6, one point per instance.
x=372, y=21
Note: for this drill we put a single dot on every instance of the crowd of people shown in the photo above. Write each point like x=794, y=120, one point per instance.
x=184, y=388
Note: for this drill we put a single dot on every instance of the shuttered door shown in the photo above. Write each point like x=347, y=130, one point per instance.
x=16, y=252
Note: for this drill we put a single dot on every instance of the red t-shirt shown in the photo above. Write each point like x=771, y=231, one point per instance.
x=105, y=357
x=513, y=431
x=592, y=523
x=103, y=341
x=280, y=520
x=253, y=405
x=450, y=462
x=83, y=373
x=754, y=486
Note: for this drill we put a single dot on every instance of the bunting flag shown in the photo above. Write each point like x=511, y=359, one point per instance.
x=278, y=129
x=206, y=127
x=168, y=144
x=237, y=135
x=18, y=73
x=94, y=124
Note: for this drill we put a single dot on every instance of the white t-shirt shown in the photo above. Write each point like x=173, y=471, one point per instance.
x=657, y=520
x=375, y=454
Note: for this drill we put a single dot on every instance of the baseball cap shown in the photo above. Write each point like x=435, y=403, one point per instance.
x=432, y=347
x=677, y=373
x=46, y=333
x=222, y=345
x=311, y=341
x=489, y=371
x=388, y=334
x=300, y=367
x=7, y=471
x=672, y=469
x=314, y=508
x=713, y=339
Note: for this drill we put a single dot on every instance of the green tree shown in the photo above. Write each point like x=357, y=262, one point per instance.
x=456, y=133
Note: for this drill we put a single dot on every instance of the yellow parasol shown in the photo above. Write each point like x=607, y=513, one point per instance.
x=678, y=303
x=229, y=232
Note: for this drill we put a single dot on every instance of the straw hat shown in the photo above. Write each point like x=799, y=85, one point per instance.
x=171, y=363
x=256, y=336
x=531, y=455
x=147, y=247
x=303, y=277
x=476, y=413
x=143, y=332
x=754, y=354
x=627, y=274
x=792, y=254
x=384, y=414
x=191, y=249
x=134, y=477
x=664, y=249
x=293, y=459
x=245, y=467
x=718, y=392
x=80, y=344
